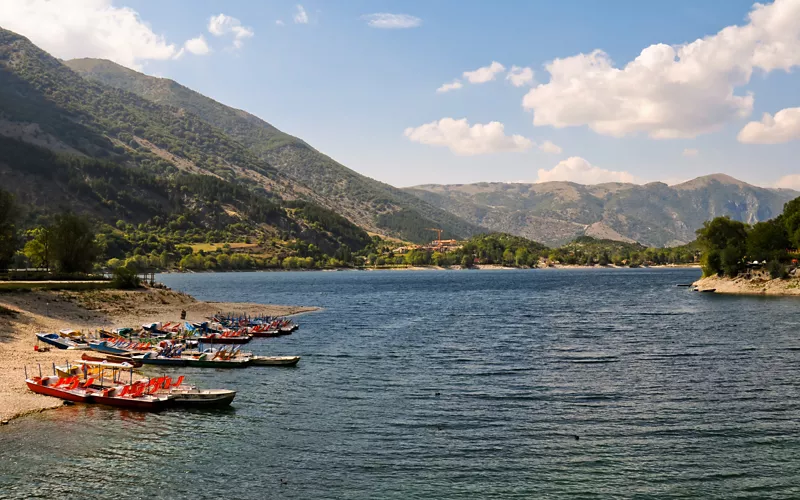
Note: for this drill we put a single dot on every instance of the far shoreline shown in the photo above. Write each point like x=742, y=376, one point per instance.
x=476, y=267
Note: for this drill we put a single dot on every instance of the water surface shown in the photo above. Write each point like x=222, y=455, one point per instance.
x=459, y=384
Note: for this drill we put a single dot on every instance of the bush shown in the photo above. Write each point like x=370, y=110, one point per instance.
x=125, y=279
x=777, y=270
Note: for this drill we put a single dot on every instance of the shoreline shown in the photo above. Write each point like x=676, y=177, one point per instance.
x=754, y=286
x=476, y=267
x=23, y=314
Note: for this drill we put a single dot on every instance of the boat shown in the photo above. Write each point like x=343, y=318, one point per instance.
x=151, y=358
x=137, y=396
x=708, y=290
x=122, y=347
x=683, y=285
x=265, y=333
x=60, y=342
x=67, y=388
x=136, y=363
x=274, y=360
x=206, y=361
x=184, y=395
x=223, y=339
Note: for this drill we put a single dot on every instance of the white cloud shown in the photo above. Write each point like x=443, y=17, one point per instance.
x=690, y=152
x=670, y=91
x=789, y=182
x=301, y=17
x=279, y=22
x=90, y=28
x=576, y=169
x=484, y=74
x=783, y=127
x=465, y=140
x=519, y=76
x=386, y=20
x=197, y=46
x=221, y=25
x=550, y=147
x=447, y=87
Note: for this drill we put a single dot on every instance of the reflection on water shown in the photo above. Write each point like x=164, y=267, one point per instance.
x=458, y=385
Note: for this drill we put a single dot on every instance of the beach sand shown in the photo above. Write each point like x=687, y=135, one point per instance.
x=754, y=286
x=23, y=314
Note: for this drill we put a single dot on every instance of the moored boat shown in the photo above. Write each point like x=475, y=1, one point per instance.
x=206, y=361
x=60, y=342
x=274, y=360
x=67, y=388
x=223, y=339
x=136, y=363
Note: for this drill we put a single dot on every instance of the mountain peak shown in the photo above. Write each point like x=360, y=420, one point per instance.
x=706, y=180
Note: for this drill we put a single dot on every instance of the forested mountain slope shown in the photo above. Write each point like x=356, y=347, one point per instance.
x=369, y=203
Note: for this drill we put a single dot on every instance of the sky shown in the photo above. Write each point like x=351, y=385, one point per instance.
x=462, y=91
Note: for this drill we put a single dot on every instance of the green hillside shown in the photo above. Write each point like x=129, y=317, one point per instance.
x=373, y=205
x=152, y=176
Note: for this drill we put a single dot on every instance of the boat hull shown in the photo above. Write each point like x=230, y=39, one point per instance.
x=59, y=393
x=203, y=399
x=274, y=360
x=143, y=404
x=113, y=359
x=217, y=363
x=224, y=340
x=165, y=361
x=107, y=349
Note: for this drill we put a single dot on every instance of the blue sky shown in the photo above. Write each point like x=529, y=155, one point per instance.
x=363, y=94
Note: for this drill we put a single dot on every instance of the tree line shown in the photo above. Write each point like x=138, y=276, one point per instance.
x=729, y=245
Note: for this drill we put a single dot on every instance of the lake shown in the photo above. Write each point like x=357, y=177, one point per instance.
x=459, y=384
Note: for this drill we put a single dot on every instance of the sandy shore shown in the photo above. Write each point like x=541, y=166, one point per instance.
x=22, y=315
x=755, y=286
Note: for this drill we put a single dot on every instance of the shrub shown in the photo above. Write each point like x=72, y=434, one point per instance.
x=777, y=270
x=125, y=279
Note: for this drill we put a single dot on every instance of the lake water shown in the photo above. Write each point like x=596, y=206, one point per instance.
x=459, y=385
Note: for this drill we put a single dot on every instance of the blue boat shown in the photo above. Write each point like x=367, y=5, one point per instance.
x=60, y=342
x=104, y=346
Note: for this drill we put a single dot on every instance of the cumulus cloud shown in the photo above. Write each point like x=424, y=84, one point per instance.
x=550, y=147
x=197, y=46
x=301, y=17
x=484, y=74
x=90, y=28
x=670, y=91
x=465, y=140
x=221, y=25
x=783, y=127
x=789, y=182
x=279, y=22
x=385, y=20
x=519, y=76
x=690, y=152
x=576, y=169
x=447, y=87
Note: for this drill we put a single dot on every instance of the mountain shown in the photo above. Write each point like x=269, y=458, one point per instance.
x=373, y=205
x=67, y=143
x=654, y=214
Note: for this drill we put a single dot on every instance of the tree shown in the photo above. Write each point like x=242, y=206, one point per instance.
x=8, y=231
x=726, y=239
x=767, y=241
x=791, y=221
x=38, y=247
x=72, y=243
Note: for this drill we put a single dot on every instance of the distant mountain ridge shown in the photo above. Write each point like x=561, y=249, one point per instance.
x=654, y=214
x=371, y=204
